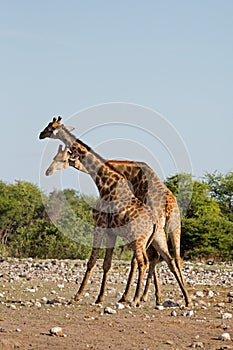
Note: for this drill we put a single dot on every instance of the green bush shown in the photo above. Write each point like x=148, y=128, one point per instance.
x=60, y=225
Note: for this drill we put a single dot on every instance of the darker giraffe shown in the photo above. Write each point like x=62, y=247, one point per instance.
x=122, y=214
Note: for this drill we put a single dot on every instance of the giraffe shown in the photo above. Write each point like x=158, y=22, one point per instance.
x=122, y=214
x=147, y=186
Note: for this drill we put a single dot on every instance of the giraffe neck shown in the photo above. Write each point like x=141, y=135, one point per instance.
x=65, y=136
x=110, y=183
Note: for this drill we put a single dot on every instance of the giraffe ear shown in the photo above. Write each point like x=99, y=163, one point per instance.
x=69, y=128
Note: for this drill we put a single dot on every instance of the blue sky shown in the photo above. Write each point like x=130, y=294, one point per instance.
x=60, y=57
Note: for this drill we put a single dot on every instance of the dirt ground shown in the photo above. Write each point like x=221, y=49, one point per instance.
x=26, y=319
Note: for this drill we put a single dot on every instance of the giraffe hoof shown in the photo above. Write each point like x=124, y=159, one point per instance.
x=144, y=299
x=123, y=299
x=135, y=304
x=76, y=298
x=189, y=303
x=98, y=301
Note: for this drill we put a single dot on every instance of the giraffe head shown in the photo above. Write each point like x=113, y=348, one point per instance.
x=53, y=128
x=60, y=161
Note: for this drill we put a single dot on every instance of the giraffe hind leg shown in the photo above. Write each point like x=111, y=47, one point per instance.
x=153, y=257
x=163, y=250
x=142, y=261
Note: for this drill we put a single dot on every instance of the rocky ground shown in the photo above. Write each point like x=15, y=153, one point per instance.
x=35, y=312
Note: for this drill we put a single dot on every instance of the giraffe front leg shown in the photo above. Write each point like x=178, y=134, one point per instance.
x=110, y=244
x=125, y=296
x=98, y=237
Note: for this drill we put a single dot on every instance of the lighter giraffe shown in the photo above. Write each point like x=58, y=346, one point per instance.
x=122, y=214
x=147, y=186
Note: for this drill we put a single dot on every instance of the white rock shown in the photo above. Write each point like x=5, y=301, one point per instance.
x=210, y=294
x=37, y=304
x=159, y=307
x=109, y=310
x=119, y=306
x=220, y=304
x=197, y=344
x=224, y=336
x=56, y=331
x=187, y=313
x=199, y=293
x=173, y=313
x=30, y=290
x=226, y=315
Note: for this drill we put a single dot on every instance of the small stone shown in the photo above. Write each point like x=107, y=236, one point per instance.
x=159, y=307
x=204, y=307
x=220, y=304
x=230, y=294
x=196, y=344
x=118, y=294
x=30, y=290
x=224, y=326
x=119, y=306
x=173, y=313
x=170, y=303
x=227, y=315
x=18, y=330
x=37, y=304
x=210, y=294
x=109, y=310
x=57, y=301
x=224, y=336
x=53, y=292
x=56, y=331
x=199, y=293
x=169, y=342
x=187, y=313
